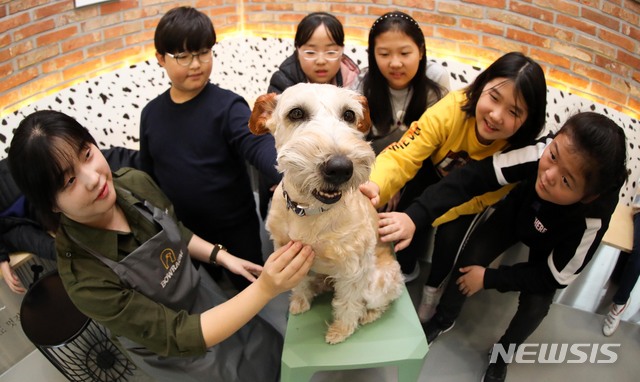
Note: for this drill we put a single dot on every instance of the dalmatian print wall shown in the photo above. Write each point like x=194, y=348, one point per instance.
x=110, y=105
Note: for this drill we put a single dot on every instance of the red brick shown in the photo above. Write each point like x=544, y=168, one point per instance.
x=628, y=59
x=101, y=22
x=549, y=58
x=18, y=78
x=351, y=9
x=598, y=17
x=6, y=70
x=458, y=35
x=489, y=3
x=606, y=91
x=481, y=26
x=62, y=61
x=553, y=31
x=144, y=36
x=613, y=66
x=42, y=84
x=80, y=41
x=14, y=21
x=56, y=8
x=531, y=11
x=565, y=7
x=80, y=70
x=33, y=29
x=132, y=54
x=624, y=14
x=107, y=46
x=36, y=56
x=117, y=6
x=503, y=45
x=567, y=78
x=434, y=19
x=77, y=15
x=459, y=9
x=22, y=5
x=595, y=45
x=574, y=23
x=592, y=73
x=529, y=38
x=617, y=39
x=122, y=30
x=278, y=7
x=509, y=18
x=56, y=36
x=5, y=40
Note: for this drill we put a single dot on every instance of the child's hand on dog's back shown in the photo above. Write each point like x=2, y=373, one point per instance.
x=371, y=191
x=285, y=268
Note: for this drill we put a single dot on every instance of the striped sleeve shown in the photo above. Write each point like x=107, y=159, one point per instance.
x=566, y=268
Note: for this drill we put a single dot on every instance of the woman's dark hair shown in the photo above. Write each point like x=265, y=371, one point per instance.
x=312, y=21
x=39, y=155
x=375, y=86
x=184, y=29
x=528, y=80
x=604, y=146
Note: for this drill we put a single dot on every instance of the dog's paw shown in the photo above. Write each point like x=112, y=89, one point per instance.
x=371, y=315
x=298, y=305
x=338, y=332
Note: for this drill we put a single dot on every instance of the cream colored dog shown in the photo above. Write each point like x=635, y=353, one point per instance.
x=323, y=157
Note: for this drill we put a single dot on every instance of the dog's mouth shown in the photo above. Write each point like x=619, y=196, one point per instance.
x=327, y=196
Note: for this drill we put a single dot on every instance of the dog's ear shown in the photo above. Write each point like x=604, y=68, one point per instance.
x=262, y=110
x=365, y=124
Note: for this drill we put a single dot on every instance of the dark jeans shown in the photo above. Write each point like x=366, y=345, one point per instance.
x=425, y=177
x=632, y=267
x=448, y=239
x=488, y=240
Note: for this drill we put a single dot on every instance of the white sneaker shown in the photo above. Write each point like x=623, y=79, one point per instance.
x=612, y=320
x=430, y=299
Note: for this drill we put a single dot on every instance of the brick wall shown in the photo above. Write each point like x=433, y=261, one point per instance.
x=588, y=47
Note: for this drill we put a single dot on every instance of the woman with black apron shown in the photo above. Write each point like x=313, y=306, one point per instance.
x=125, y=262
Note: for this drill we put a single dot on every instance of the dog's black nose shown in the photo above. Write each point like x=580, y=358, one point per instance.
x=337, y=170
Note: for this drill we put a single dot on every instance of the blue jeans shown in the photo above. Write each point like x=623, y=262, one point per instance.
x=632, y=267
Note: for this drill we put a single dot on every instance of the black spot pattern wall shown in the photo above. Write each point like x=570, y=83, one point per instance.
x=110, y=105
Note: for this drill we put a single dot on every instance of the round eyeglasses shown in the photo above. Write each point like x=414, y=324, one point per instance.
x=312, y=55
x=186, y=58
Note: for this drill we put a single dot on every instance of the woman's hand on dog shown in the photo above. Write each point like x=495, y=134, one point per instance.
x=239, y=266
x=285, y=268
x=396, y=226
x=371, y=191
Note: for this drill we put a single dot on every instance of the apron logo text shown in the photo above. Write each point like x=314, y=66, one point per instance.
x=172, y=269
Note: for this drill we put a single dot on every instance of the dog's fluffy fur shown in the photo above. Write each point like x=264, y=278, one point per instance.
x=319, y=131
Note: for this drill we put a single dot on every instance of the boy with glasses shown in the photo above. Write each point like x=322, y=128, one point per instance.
x=194, y=142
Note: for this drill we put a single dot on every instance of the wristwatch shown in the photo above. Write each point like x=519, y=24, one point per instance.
x=214, y=253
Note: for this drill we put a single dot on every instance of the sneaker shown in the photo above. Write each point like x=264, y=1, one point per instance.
x=496, y=372
x=430, y=299
x=612, y=320
x=413, y=275
x=433, y=329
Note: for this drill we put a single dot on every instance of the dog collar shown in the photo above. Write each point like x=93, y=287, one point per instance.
x=302, y=209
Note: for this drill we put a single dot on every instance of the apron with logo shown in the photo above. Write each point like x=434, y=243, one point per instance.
x=161, y=269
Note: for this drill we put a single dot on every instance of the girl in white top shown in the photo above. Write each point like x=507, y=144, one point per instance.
x=400, y=85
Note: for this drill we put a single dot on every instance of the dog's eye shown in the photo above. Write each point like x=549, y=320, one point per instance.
x=349, y=116
x=296, y=114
